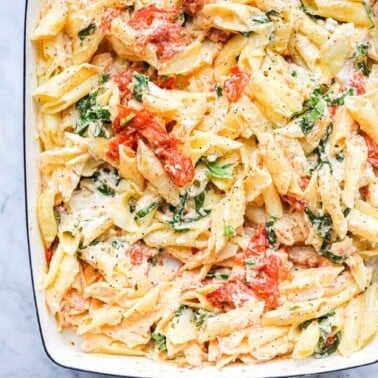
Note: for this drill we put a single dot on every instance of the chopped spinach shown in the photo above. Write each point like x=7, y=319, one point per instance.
x=160, y=341
x=306, y=323
x=201, y=315
x=178, y=222
x=94, y=242
x=321, y=151
x=340, y=157
x=364, y=68
x=199, y=201
x=245, y=35
x=152, y=261
x=57, y=216
x=325, y=348
x=370, y=14
x=91, y=113
x=105, y=190
x=266, y=17
x=180, y=310
x=340, y=99
x=140, y=83
x=90, y=29
x=272, y=237
x=347, y=211
x=105, y=77
x=146, y=210
x=361, y=50
x=218, y=90
x=217, y=171
x=336, y=259
x=323, y=224
x=116, y=244
x=218, y=276
x=250, y=262
x=312, y=110
x=314, y=16
x=294, y=308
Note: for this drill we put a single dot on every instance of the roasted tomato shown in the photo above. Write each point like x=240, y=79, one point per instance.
x=48, y=256
x=358, y=82
x=191, y=7
x=266, y=289
x=296, y=204
x=166, y=82
x=216, y=35
x=144, y=17
x=123, y=79
x=269, y=271
x=258, y=243
x=109, y=15
x=234, y=292
x=168, y=39
x=136, y=254
x=124, y=138
x=372, y=146
x=234, y=85
x=144, y=124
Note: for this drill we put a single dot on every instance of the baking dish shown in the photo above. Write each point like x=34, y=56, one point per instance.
x=63, y=349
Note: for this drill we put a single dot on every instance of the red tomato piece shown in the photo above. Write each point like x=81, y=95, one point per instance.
x=178, y=166
x=109, y=15
x=273, y=267
x=372, y=146
x=234, y=85
x=258, y=243
x=266, y=288
x=358, y=82
x=234, y=292
x=147, y=126
x=168, y=39
x=166, y=82
x=124, y=138
x=48, y=256
x=123, y=79
x=136, y=254
x=304, y=182
x=216, y=35
x=296, y=204
x=144, y=17
x=191, y=7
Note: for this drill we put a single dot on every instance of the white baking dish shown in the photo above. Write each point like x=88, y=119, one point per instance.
x=63, y=348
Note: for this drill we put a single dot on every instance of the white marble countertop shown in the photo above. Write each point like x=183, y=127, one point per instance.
x=21, y=350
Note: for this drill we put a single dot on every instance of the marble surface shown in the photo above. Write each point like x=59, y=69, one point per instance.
x=21, y=350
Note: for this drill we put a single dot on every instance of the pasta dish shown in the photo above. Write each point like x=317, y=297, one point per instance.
x=208, y=176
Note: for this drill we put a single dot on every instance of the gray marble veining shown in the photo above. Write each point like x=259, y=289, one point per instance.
x=21, y=351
